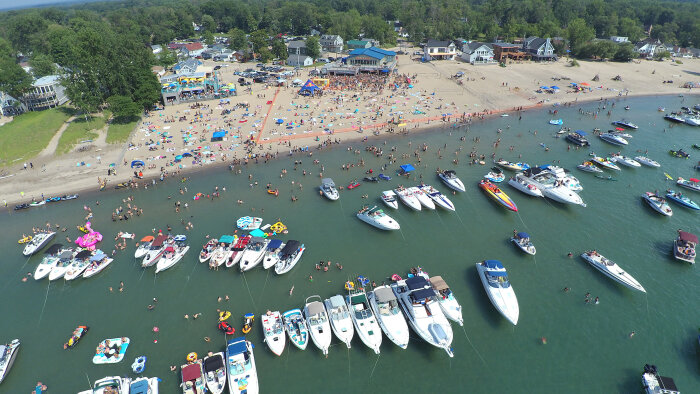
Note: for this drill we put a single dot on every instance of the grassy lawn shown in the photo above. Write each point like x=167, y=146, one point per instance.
x=29, y=133
x=79, y=130
x=119, y=131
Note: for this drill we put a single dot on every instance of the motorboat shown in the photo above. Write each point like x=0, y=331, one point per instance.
x=289, y=256
x=273, y=330
x=613, y=139
x=237, y=250
x=692, y=120
x=513, y=166
x=446, y=298
x=588, y=166
x=624, y=160
x=605, y=163
x=679, y=198
x=173, y=253
x=611, y=270
x=111, y=351
x=389, y=198
x=684, y=246
x=656, y=384
x=422, y=197
x=272, y=253
x=22, y=206
x=438, y=198
x=674, y=117
x=51, y=258
x=419, y=303
x=222, y=252
x=384, y=177
x=328, y=189
x=495, y=175
x=621, y=133
x=65, y=259
x=317, y=320
x=215, y=373
x=98, y=262
x=578, y=137
x=679, y=153
x=496, y=194
x=156, y=250
x=249, y=223
x=296, y=328
x=564, y=177
x=495, y=280
x=242, y=375
x=144, y=246
x=522, y=240
x=626, y=124
x=524, y=185
x=145, y=385
x=647, y=161
x=193, y=378
x=449, y=177
x=370, y=179
x=692, y=183
x=551, y=186
x=386, y=307
x=79, y=264
x=363, y=318
x=8, y=353
x=658, y=203
x=377, y=218
x=207, y=249
x=110, y=384
x=339, y=317
x=37, y=243
x=408, y=198
x=253, y=253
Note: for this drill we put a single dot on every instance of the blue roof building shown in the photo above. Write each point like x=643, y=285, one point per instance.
x=372, y=59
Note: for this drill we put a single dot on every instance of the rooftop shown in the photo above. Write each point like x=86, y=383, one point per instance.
x=47, y=80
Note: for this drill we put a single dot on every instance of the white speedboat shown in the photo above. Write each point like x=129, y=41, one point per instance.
x=522, y=240
x=684, y=246
x=253, y=253
x=289, y=256
x=674, y=117
x=79, y=264
x=552, y=187
x=679, y=198
x=626, y=124
x=54, y=254
x=296, y=328
x=37, y=243
x=408, y=198
x=389, y=198
x=328, y=189
x=391, y=320
x=450, y=307
x=62, y=265
x=98, y=262
x=145, y=386
x=438, y=198
x=495, y=280
x=692, y=120
x=656, y=384
x=208, y=249
x=658, y=203
x=611, y=270
x=110, y=384
x=605, y=163
x=613, y=139
x=377, y=218
x=173, y=253
x=144, y=246
x=524, y=185
x=215, y=373
x=236, y=250
x=422, y=197
x=222, y=252
x=363, y=318
x=647, y=161
x=317, y=320
x=692, y=183
x=273, y=330
x=419, y=304
x=242, y=375
x=8, y=353
x=340, y=319
x=624, y=160
x=563, y=176
x=449, y=177
x=156, y=250
x=192, y=375
x=272, y=253
x=588, y=166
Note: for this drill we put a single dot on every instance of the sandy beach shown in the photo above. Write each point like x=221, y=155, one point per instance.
x=419, y=96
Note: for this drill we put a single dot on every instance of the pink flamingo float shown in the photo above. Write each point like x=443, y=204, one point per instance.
x=90, y=239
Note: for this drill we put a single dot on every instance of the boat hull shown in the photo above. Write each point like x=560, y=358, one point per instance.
x=613, y=272
x=504, y=300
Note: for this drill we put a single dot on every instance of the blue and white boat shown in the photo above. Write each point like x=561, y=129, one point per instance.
x=679, y=198
x=272, y=254
x=145, y=386
x=296, y=328
x=242, y=375
x=215, y=373
x=556, y=122
x=495, y=280
x=437, y=197
x=522, y=240
x=495, y=175
x=625, y=124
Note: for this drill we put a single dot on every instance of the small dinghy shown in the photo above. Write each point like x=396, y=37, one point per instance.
x=111, y=351
x=522, y=241
x=657, y=203
x=389, y=198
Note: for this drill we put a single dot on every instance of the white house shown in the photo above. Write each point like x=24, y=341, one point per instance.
x=648, y=47
x=331, y=43
x=9, y=106
x=299, y=60
x=439, y=50
x=478, y=53
x=619, y=39
x=187, y=66
x=47, y=92
x=539, y=48
x=225, y=56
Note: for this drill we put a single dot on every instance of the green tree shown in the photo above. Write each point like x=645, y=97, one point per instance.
x=605, y=49
x=42, y=65
x=662, y=54
x=237, y=39
x=313, y=48
x=13, y=79
x=630, y=28
x=166, y=58
x=279, y=50
x=208, y=38
x=625, y=52
x=208, y=23
x=578, y=33
x=123, y=107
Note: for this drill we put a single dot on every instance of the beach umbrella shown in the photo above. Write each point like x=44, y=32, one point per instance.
x=555, y=87
x=178, y=157
x=585, y=84
x=279, y=121
x=187, y=154
x=112, y=164
x=137, y=163
x=544, y=87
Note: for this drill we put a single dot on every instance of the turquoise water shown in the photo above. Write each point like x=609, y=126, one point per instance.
x=588, y=346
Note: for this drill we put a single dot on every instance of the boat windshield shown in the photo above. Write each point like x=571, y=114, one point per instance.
x=389, y=308
x=498, y=279
x=361, y=311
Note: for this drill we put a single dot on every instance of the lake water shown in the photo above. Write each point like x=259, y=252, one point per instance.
x=588, y=346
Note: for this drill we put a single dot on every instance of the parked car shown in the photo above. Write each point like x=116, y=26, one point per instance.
x=259, y=79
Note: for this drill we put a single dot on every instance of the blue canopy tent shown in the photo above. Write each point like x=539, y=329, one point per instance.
x=137, y=163
x=218, y=136
x=187, y=154
x=309, y=88
x=406, y=168
x=544, y=87
x=493, y=264
x=523, y=235
x=555, y=87
x=581, y=132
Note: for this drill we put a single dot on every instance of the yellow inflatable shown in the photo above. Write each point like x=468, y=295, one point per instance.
x=278, y=228
x=192, y=357
x=349, y=286
x=223, y=315
x=25, y=239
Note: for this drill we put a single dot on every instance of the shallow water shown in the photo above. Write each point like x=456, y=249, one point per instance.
x=588, y=346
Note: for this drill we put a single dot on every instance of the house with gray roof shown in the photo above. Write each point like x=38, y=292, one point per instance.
x=47, y=92
x=540, y=49
x=187, y=66
x=299, y=60
x=331, y=43
x=478, y=53
x=439, y=50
